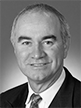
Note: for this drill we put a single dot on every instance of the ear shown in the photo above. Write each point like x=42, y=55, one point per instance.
x=66, y=46
x=13, y=44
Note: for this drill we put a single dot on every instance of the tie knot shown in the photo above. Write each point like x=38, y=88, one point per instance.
x=35, y=98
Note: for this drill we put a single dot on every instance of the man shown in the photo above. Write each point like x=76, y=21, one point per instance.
x=40, y=37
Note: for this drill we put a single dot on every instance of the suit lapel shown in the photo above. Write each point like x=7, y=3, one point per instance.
x=63, y=97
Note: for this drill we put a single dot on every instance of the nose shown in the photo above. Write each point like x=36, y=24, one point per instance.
x=38, y=52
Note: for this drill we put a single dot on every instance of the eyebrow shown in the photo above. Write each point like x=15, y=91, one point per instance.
x=29, y=38
x=23, y=38
x=49, y=37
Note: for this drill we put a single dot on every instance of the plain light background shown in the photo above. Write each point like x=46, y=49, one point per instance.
x=10, y=74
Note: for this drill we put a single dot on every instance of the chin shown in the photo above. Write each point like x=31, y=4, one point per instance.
x=36, y=77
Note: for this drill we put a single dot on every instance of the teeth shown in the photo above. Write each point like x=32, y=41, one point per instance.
x=40, y=64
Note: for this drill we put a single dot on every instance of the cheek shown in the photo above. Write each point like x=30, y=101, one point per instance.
x=57, y=56
x=22, y=56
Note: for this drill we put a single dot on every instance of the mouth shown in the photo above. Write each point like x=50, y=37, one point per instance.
x=39, y=64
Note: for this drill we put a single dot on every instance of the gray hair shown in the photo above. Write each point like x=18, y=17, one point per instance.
x=65, y=33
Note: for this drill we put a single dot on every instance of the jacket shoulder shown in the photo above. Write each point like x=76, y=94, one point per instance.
x=77, y=92
x=73, y=86
x=13, y=92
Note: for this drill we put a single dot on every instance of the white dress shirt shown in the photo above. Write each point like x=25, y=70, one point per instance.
x=49, y=94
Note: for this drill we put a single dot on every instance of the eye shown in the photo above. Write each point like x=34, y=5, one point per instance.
x=27, y=43
x=48, y=43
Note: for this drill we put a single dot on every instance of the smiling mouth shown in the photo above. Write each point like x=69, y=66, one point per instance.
x=38, y=64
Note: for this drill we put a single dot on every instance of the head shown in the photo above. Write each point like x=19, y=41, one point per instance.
x=40, y=37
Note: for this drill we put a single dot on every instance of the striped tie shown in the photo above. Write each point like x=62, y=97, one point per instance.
x=35, y=100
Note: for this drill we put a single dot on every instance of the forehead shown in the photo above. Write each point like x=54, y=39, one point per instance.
x=36, y=22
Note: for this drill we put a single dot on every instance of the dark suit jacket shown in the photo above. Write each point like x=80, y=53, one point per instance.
x=68, y=95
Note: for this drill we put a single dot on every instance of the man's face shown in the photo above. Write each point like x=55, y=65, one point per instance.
x=38, y=46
